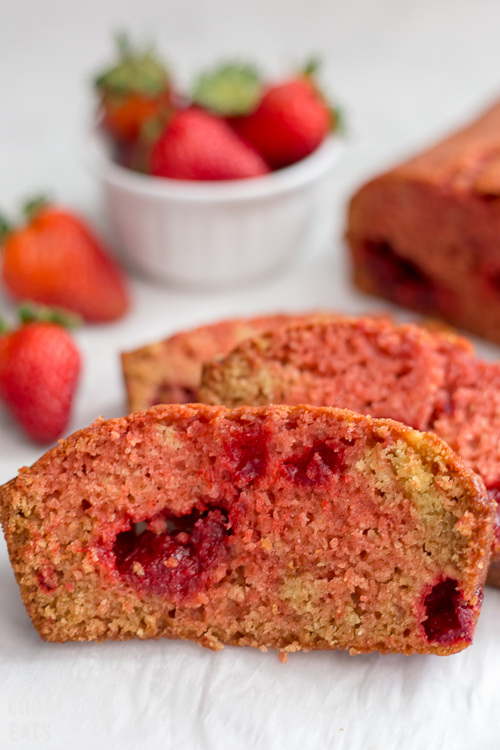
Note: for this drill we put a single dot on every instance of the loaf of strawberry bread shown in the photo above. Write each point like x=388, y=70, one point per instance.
x=275, y=527
x=429, y=380
x=426, y=234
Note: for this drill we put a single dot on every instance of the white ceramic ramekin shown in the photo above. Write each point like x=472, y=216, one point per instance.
x=209, y=234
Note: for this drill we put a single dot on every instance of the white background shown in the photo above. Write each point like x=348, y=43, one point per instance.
x=405, y=72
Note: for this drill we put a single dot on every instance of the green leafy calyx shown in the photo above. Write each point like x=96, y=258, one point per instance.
x=30, y=313
x=136, y=72
x=311, y=67
x=32, y=206
x=337, y=120
x=5, y=227
x=230, y=89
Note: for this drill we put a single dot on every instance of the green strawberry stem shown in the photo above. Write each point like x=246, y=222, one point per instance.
x=231, y=89
x=125, y=49
x=4, y=328
x=5, y=227
x=32, y=206
x=337, y=122
x=312, y=66
x=136, y=71
x=29, y=313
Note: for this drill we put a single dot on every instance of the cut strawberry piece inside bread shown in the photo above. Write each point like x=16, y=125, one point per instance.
x=274, y=527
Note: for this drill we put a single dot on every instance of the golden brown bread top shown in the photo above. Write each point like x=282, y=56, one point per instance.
x=469, y=159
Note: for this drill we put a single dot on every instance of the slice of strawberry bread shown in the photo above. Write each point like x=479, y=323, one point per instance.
x=169, y=371
x=429, y=380
x=370, y=365
x=274, y=527
x=426, y=234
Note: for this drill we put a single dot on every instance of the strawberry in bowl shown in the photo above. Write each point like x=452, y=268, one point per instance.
x=197, y=145
x=291, y=120
x=283, y=122
x=132, y=92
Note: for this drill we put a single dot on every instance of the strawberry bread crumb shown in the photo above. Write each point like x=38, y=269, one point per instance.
x=275, y=527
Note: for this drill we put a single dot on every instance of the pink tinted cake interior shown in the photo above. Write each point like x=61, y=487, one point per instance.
x=275, y=527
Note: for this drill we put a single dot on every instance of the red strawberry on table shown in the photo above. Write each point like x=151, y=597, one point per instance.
x=197, y=145
x=57, y=260
x=290, y=122
x=39, y=369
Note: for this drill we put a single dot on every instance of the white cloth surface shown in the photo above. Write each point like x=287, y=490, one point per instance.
x=405, y=73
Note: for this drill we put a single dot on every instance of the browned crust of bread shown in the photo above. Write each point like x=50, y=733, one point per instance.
x=470, y=156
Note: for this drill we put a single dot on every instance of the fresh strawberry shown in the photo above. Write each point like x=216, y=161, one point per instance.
x=290, y=122
x=39, y=369
x=132, y=92
x=56, y=260
x=199, y=146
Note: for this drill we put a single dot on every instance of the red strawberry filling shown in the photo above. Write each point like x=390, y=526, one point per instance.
x=246, y=453
x=449, y=619
x=399, y=279
x=47, y=578
x=177, y=563
x=316, y=465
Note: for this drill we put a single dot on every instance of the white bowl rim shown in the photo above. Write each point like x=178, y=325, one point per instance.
x=282, y=181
